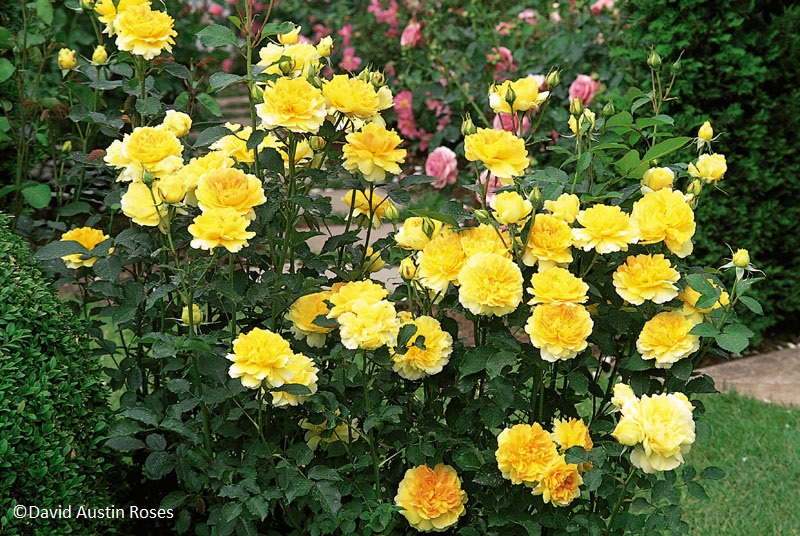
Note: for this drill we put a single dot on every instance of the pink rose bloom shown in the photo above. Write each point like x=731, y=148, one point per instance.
x=528, y=16
x=509, y=123
x=350, y=62
x=384, y=16
x=346, y=33
x=320, y=31
x=227, y=65
x=503, y=61
x=584, y=89
x=442, y=164
x=598, y=6
x=503, y=27
x=541, y=81
x=494, y=184
x=215, y=10
x=555, y=15
x=412, y=35
x=389, y=69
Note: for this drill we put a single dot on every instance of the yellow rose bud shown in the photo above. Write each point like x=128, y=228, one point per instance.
x=289, y=38
x=468, y=127
x=325, y=46
x=706, y=132
x=654, y=60
x=553, y=78
x=408, y=270
x=510, y=208
x=197, y=314
x=658, y=178
x=576, y=106
x=177, y=122
x=622, y=393
x=317, y=143
x=373, y=261
x=99, y=56
x=67, y=59
x=66, y=146
x=741, y=258
x=390, y=211
x=172, y=189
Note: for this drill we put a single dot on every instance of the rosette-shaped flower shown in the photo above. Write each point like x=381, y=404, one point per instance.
x=490, y=285
x=293, y=104
x=571, y=432
x=303, y=372
x=88, y=238
x=656, y=178
x=510, y=208
x=225, y=227
x=560, y=484
x=196, y=169
x=343, y=297
x=304, y=59
x=549, y=242
x=177, y=122
x=355, y=98
x=524, y=452
x=369, y=325
x=503, y=154
x=605, y=228
x=235, y=145
x=440, y=261
x=302, y=313
x=416, y=362
x=689, y=297
x=144, y=32
x=485, y=238
x=431, y=499
x=146, y=148
x=665, y=215
x=374, y=152
x=646, y=277
x=230, y=188
x=660, y=428
x=559, y=330
x=566, y=207
x=710, y=167
x=107, y=11
x=417, y=232
x=517, y=96
x=261, y=356
x=557, y=285
x=143, y=205
x=622, y=394
x=666, y=338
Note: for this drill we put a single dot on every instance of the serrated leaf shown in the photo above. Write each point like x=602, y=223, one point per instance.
x=321, y=472
x=705, y=330
x=210, y=104
x=258, y=507
x=330, y=495
x=37, y=195
x=58, y=249
x=734, y=343
x=751, y=304
x=277, y=28
x=712, y=473
x=173, y=500
x=149, y=107
x=449, y=220
x=217, y=36
x=210, y=135
x=219, y=81
x=142, y=415
x=177, y=70
x=156, y=442
x=682, y=369
x=158, y=465
x=697, y=490
x=231, y=511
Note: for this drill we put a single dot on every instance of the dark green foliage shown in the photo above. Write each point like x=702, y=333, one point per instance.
x=740, y=66
x=53, y=408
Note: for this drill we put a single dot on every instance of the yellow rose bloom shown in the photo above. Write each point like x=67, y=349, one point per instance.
x=408, y=269
x=565, y=207
x=88, y=238
x=191, y=173
x=622, y=394
x=289, y=38
x=302, y=313
x=374, y=152
x=572, y=432
x=235, y=145
x=666, y=338
x=657, y=178
x=665, y=215
x=689, y=297
x=260, y=356
x=503, y=154
x=171, y=188
x=522, y=93
x=144, y=32
x=557, y=285
x=146, y=148
x=373, y=261
x=225, y=227
x=524, y=452
x=490, y=285
x=549, y=242
x=431, y=499
x=560, y=484
x=303, y=372
x=320, y=434
x=353, y=98
x=646, y=277
x=293, y=104
x=559, y=330
x=231, y=188
x=177, y=122
x=143, y=205
x=343, y=297
x=67, y=59
x=586, y=119
x=304, y=59
x=485, y=239
x=710, y=167
x=416, y=363
x=108, y=11
x=369, y=325
x=325, y=46
x=440, y=261
x=605, y=228
x=417, y=232
x=374, y=210
x=510, y=208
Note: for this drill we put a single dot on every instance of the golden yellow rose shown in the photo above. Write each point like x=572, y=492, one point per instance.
x=374, y=152
x=549, y=242
x=665, y=215
x=303, y=372
x=413, y=362
x=225, y=227
x=143, y=205
x=354, y=98
x=374, y=209
x=260, y=356
x=490, y=284
x=560, y=484
x=99, y=56
x=440, y=261
x=293, y=104
x=646, y=277
x=230, y=187
x=303, y=59
x=368, y=325
x=559, y=330
x=658, y=177
x=605, y=228
x=431, y=499
x=557, y=285
x=503, y=154
x=344, y=296
x=302, y=313
x=88, y=238
x=149, y=149
x=689, y=297
x=565, y=207
x=705, y=132
x=510, y=208
x=572, y=432
x=177, y=122
x=107, y=11
x=196, y=169
x=417, y=232
x=235, y=145
x=144, y=32
x=710, y=167
x=485, y=238
x=517, y=96
x=524, y=452
x=666, y=338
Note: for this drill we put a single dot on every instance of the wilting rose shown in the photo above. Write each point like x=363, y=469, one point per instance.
x=443, y=165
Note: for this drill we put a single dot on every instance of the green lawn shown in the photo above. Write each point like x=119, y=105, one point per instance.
x=758, y=446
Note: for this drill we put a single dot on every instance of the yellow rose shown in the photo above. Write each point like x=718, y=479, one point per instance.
x=705, y=132
x=503, y=154
x=559, y=330
x=585, y=121
x=99, y=56
x=322, y=434
x=352, y=97
x=373, y=260
x=710, y=167
x=374, y=152
x=196, y=316
x=145, y=149
x=408, y=269
x=485, y=238
x=343, y=298
x=230, y=187
x=325, y=46
x=557, y=285
x=622, y=394
x=143, y=205
x=490, y=284
x=560, y=483
x=666, y=338
x=417, y=232
x=374, y=209
x=568, y=433
x=665, y=215
x=741, y=258
x=172, y=189
x=524, y=452
x=225, y=227
x=304, y=59
x=289, y=38
x=235, y=145
x=191, y=173
x=368, y=325
x=88, y=238
x=566, y=207
x=416, y=362
x=293, y=104
x=107, y=11
x=549, y=242
x=302, y=314
x=606, y=229
x=144, y=32
x=431, y=499
x=689, y=297
x=260, y=356
x=510, y=208
x=67, y=59
x=303, y=372
x=440, y=261
x=177, y=122
x=658, y=178
x=511, y=97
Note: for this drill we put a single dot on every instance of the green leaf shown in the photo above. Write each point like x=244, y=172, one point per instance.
x=592, y=479
x=210, y=135
x=449, y=220
x=258, y=507
x=662, y=149
x=44, y=10
x=297, y=389
x=158, y=465
x=709, y=294
x=682, y=369
x=734, y=338
x=277, y=28
x=625, y=164
x=697, y=491
x=701, y=384
x=231, y=511
x=124, y=444
x=474, y=361
x=6, y=39
x=468, y=459
x=417, y=179
x=219, y=81
x=636, y=363
x=751, y=304
x=37, y=196
x=142, y=414
x=622, y=119
x=174, y=500
x=321, y=472
x=330, y=495
x=75, y=208
x=58, y=249
x=217, y=36
x=712, y=473
x=705, y=330
x=177, y=70
x=149, y=107
x=6, y=69
x=210, y=104
x=661, y=490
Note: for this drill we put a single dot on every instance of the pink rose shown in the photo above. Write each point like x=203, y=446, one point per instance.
x=384, y=16
x=503, y=27
x=215, y=10
x=412, y=35
x=442, y=164
x=320, y=31
x=584, y=89
x=346, y=33
x=503, y=61
x=528, y=15
x=510, y=123
x=350, y=62
x=227, y=65
x=598, y=6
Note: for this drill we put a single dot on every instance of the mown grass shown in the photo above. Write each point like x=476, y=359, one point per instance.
x=758, y=446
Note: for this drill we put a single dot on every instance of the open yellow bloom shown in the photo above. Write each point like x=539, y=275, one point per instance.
x=523, y=95
x=303, y=372
x=440, y=261
x=225, y=227
x=416, y=363
x=417, y=232
x=302, y=314
x=710, y=167
x=490, y=285
x=177, y=122
x=666, y=338
x=568, y=433
x=560, y=484
x=355, y=98
x=108, y=12
x=303, y=59
x=557, y=284
x=605, y=229
x=150, y=149
x=549, y=242
x=657, y=178
x=197, y=168
x=374, y=152
x=646, y=277
x=485, y=238
x=559, y=330
x=431, y=499
x=143, y=205
x=235, y=145
x=260, y=355
x=622, y=394
x=144, y=32
x=293, y=104
x=565, y=207
x=231, y=188
x=88, y=238
x=524, y=452
x=343, y=297
x=503, y=154
x=369, y=325
x=510, y=208
x=665, y=215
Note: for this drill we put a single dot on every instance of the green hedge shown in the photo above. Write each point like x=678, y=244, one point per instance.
x=53, y=409
x=740, y=67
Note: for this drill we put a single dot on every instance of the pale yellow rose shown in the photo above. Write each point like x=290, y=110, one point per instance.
x=710, y=167
x=657, y=178
x=490, y=284
x=646, y=277
x=503, y=154
x=666, y=338
x=510, y=208
x=144, y=32
x=293, y=104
